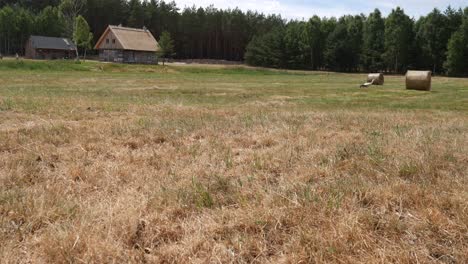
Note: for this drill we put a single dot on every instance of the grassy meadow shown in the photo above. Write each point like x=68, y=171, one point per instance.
x=108, y=163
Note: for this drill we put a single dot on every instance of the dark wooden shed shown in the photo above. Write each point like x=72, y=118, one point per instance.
x=127, y=45
x=49, y=48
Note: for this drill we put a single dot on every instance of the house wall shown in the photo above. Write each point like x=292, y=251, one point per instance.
x=128, y=56
x=29, y=51
x=48, y=54
x=142, y=57
x=111, y=55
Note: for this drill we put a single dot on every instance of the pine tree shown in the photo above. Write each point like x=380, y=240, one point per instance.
x=316, y=42
x=267, y=50
x=457, y=54
x=398, y=40
x=343, y=47
x=454, y=19
x=8, y=27
x=373, y=42
x=50, y=23
x=336, y=52
x=137, y=14
x=296, y=45
x=25, y=25
x=166, y=45
x=435, y=33
x=355, y=26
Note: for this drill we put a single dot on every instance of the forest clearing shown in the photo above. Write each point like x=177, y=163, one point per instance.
x=104, y=163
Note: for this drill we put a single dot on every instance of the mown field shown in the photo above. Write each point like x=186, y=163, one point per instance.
x=103, y=163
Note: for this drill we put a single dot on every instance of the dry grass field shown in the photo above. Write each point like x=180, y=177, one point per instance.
x=105, y=163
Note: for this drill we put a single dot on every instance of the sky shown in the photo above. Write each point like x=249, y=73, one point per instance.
x=296, y=9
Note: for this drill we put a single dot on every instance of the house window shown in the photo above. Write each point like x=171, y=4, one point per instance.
x=113, y=41
x=107, y=41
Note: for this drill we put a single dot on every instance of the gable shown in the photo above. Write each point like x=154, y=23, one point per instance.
x=108, y=40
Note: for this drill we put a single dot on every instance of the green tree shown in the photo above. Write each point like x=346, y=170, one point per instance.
x=327, y=27
x=82, y=35
x=70, y=9
x=355, y=26
x=16, y=25
x=166, y=45
x=137, y=14
x=351, y=44
x=101, y=13
x=454, y=19
x=34, y=5
x=296, y=45
x=398, y=39
x=267, y=50
x=435, y=33
x=25, y=25
x=344, y=44
x=316, y=42
x=373, y=42
x=457, y=54
x=50, y=23
x=421, y=58
x=8, y=29
x=336, y=52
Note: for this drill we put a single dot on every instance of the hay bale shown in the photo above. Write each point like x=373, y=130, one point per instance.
x=377, y=77
x=418, y=80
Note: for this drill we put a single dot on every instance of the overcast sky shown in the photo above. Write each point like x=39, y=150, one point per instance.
x=296, y=9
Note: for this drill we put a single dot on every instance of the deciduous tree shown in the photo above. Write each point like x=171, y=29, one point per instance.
x=82, y=35
x=70, y=9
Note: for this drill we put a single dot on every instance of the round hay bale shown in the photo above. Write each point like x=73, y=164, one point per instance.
x=377, y=77
x=418, y=80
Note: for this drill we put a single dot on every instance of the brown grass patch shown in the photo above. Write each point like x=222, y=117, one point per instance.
x=234, y=186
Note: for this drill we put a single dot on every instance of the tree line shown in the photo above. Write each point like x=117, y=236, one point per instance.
x=437, y=41
x=198, y=33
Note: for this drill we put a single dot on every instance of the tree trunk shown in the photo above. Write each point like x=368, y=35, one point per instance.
x=396, y=64
x=312, y=59
x=84, y=57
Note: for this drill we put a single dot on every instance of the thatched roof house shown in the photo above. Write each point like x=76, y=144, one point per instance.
x=127, y=45
x=39, y=47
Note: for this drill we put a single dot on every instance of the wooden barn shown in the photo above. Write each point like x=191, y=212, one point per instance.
x=127, y=45
x=48, y=48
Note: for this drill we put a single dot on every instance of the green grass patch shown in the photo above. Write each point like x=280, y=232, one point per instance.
x=121, y=85
x=231, y=70
x=55, y=65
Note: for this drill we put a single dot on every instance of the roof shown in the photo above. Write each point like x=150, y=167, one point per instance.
x=41, y=42
x=131, y=38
